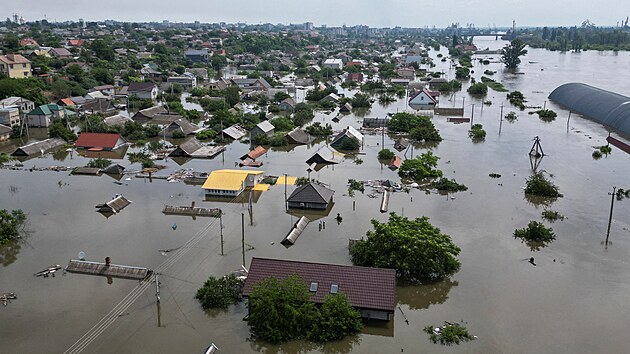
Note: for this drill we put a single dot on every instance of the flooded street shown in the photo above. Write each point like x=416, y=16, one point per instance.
x=574, y=301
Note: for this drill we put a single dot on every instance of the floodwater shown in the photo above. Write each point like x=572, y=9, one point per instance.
x=573, y=301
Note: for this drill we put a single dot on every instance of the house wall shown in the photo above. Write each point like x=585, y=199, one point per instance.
x=222, y=193
x=252, y=180
x=40, y=121
x=319, y=206
x=16, y=71
x=10, y=117
x=375, y=314
x=422, y=99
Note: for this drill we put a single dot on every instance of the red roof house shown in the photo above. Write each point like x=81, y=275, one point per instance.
x=370, y=290
x=99, y=141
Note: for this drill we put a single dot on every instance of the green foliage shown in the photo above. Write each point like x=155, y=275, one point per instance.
x=421, y=128
x=277, y=139
x=303, y=113
x=462, y=73
x=280, y=96
x=206, y=134
x=449, y=334
x=316, y=94
x=136, y=157
x=335, y=319
x=372, y=86
x=551, y=215
x=280, y=310
x=597, y=154
x=496, y=86
x=354, y=185
x=494, y=175
x=178, y=134
x=546, y=115
x=357, y=161
x=448, y=185
x=537, y=184
x=4, y=158
x=478, y=89
x=605, y=149
x=99, y=163
x=30, y=88
x=453, y=85
x=134, y=131
x=103, y=50
x=59, y=130
x=300, y=181
x=385, y=155
x=319, y=130
x=416, y=249
x=423, y=166
x=517, y=99
x=535, y=235
x=511, y=117
x=219, y=293
x=360, y=100
x=282, y=123
x=477, y=133
x=11, y=225
x=349, y=144
x=511, y=53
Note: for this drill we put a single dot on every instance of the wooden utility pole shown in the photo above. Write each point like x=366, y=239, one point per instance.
x=383, y=138
x=568, y=120
x=472, y=115
x=243, y=236
x=221, y=230
x=501, y=119
x=612, y=204
x=285, y=192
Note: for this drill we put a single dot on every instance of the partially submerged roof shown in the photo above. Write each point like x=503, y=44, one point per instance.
x=235, y=131
x=39, y=147
x=296, y=231
x=116, y=120
x=184, y=125
x=265, y=126
x=366, y=288
x=326, y=154
x=605, y=107
x=311, y=193
x=228, y=179
x=97, y=140
x=349, y=132
x=299, y=136
x=254, y=154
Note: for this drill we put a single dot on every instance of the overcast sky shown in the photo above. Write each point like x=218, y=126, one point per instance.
x=374, y=13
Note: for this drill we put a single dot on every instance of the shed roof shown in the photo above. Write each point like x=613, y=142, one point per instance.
x=228, y=179
x=265, y=126
x=118, y=119
x=254, y=154
x=605, y=107
x=235, y=131
x=311, y=193
x=366, y=288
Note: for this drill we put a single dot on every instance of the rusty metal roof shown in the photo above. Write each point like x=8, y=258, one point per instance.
x=366, y=288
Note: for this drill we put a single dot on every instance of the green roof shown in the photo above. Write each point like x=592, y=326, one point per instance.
x=48, y=109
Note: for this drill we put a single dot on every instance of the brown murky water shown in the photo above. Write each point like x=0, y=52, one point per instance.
x=573, y=301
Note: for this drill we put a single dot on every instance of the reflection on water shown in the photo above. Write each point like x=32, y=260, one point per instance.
x=9, y=252
x=420, y=297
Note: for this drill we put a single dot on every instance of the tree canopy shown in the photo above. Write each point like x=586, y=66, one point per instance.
x=220, y=292
x=11, y=225
x=511, y=53
x=281, y=311
x=420, y=128
x=416, y=249
x=423, y=166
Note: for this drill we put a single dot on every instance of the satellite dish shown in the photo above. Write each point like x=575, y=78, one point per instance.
x=82, y=255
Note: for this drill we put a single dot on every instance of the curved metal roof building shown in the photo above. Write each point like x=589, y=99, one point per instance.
x=605, y=107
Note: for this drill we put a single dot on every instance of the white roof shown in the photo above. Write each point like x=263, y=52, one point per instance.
x=333, y=61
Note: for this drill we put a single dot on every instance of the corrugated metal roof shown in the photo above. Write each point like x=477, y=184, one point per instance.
x=101, y=140
x=256, y=153
x=231, y=180
x=605, y=107
x=265, y=126
x=311, y=193
x=366, y=288
x=235, y=131
x=296, y=231
x=299, y=136
x=39, y=147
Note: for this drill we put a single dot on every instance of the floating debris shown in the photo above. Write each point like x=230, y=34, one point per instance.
x=6, y=298
x=48, y=271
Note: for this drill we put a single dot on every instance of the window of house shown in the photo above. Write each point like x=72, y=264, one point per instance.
x=313, y=287
x=334, y=288
x=23, y=65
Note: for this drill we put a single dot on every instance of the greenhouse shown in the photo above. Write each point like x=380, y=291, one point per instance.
x=605, y=107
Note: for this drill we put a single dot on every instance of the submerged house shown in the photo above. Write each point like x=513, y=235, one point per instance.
x=39, y=147
x=265, y=127
x=371, y=291
x=299, y=136
x=234, y=132
x=311, y=196
x=347, y=134
x=180, y=127
x=424, y=98
x=230, y=183
x=194, y=148
x=326, y=155
x=99, y=141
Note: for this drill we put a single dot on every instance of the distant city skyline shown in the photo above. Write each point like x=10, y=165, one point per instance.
x=404, y=13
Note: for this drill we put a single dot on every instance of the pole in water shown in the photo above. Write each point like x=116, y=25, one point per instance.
x=221, y=230
x=568, y=120
x=612, y=204
x=501, y=120
x=243, y=236
x=285, y=192
x=354, y=205
x=472, y=115
x=157, y=287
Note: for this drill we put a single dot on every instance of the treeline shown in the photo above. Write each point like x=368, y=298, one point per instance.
x=577, y=38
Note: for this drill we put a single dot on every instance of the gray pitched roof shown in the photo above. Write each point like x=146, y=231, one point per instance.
x=4, y=129
x=299, y=136
x=311, y=193
x=265, y=126
x=39, y=147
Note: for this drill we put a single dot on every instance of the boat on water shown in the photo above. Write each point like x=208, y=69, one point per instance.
x=48, y=271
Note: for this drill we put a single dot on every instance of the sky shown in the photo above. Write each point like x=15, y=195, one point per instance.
x=374, y=13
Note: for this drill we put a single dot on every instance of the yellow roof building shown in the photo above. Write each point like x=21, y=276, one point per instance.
x=232, y=180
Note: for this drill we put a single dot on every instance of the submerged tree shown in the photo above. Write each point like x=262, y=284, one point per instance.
x=417, y=250
x=511, y=53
